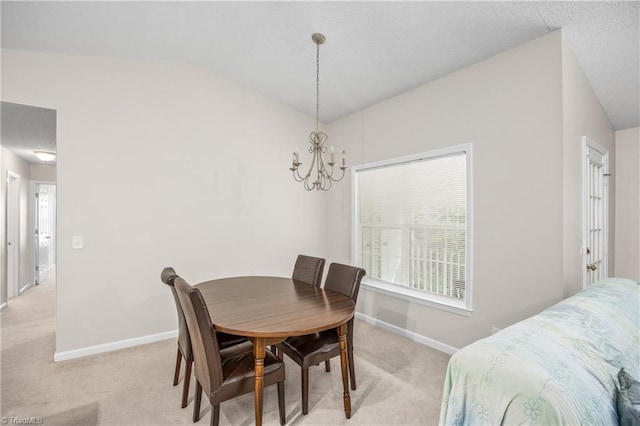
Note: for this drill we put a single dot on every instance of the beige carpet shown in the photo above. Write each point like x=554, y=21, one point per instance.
x=399, y=381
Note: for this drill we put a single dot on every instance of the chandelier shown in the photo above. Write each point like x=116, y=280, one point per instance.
x=319, y=177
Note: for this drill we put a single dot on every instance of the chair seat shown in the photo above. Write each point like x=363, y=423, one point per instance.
x=227, y=340
x=238, y=371
x=311, y=349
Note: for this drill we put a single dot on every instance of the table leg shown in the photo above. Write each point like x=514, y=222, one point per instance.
x=342, y=339
x=259, y=348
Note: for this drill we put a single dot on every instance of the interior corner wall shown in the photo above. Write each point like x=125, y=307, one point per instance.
x=510, y=108
x=12, y=162
x=3, y=242
x=627, y=178
x=582, y=115
x=161, y=164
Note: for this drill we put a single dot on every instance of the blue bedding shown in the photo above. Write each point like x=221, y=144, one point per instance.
x=557, y=367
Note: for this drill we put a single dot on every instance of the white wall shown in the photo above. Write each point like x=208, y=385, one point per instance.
x=43, y=173
x=582, y=116
x=627, y=178
x=510, y=108
x=3, y=243
x=162, y=164
x=12, y=162
x=177, y=135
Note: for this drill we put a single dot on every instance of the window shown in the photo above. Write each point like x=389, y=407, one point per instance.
x=412, y=227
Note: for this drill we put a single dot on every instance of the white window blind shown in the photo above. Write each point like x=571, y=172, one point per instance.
x=411, y=224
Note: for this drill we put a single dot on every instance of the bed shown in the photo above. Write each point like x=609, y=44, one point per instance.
x=557, y=367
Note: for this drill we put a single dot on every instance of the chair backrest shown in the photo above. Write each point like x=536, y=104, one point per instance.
x=344, y=279
x=206, y=355
x=168, y=277
x=308, y=269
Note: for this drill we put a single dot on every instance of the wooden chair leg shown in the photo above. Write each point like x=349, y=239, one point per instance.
x=176, y=375
x=187, y=379
x=196, y=402
x=215, y=414
x=352, y=368
x=327, y=365
x=305, y=390
x=350, y=357
x=281, y=403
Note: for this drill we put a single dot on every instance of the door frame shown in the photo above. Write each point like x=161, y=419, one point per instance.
x=588, y=143
x=12, y=232
x=33, y=220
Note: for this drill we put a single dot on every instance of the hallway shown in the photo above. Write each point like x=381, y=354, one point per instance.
x=85, y=391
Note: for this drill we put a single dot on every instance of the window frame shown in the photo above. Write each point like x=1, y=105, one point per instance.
x=462, y=307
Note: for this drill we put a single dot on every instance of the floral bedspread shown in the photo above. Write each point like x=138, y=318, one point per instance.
x=557, y=367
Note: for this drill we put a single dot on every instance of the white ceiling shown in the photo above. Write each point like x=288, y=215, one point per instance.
x=374, y=50
x=27, y=128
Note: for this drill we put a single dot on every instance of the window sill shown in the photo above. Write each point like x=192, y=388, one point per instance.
x=415, y=296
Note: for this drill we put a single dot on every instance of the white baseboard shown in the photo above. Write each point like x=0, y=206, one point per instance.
x=25, y=288
x=122, y=344
x=114, y=346
x=442, y=347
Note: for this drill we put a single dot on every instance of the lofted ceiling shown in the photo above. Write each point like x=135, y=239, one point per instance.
x=374, y=50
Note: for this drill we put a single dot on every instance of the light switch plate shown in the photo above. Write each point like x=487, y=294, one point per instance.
x=77, y=242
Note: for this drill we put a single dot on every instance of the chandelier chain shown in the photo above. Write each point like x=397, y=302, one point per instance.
x=317, y=86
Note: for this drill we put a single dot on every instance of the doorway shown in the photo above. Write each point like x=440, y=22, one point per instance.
x=44, y=230
x=595, y=212
x=13, y=234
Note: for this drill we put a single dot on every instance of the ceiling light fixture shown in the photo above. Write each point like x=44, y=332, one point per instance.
x=323, y=176
x=45, y=155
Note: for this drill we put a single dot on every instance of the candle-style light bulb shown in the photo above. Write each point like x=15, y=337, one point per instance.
x=332, y=155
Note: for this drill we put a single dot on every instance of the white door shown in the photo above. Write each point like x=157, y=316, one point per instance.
x=13, y=234
x=595, y=206
x=44, y=230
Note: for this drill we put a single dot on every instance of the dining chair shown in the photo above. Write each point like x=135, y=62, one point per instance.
x=223, y=374
x=312, y=349
x=168, y=276
x=308, y=269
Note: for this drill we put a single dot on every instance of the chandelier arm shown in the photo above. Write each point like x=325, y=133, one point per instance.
x=296, y=176
x=319, y=165
x=341, y=176
x=308, y=185
x=326, y=185
x=302, y=178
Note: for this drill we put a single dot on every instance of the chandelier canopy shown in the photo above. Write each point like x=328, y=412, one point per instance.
x=318, y=177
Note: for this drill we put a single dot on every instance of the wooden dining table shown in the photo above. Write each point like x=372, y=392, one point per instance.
x=267, y=310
